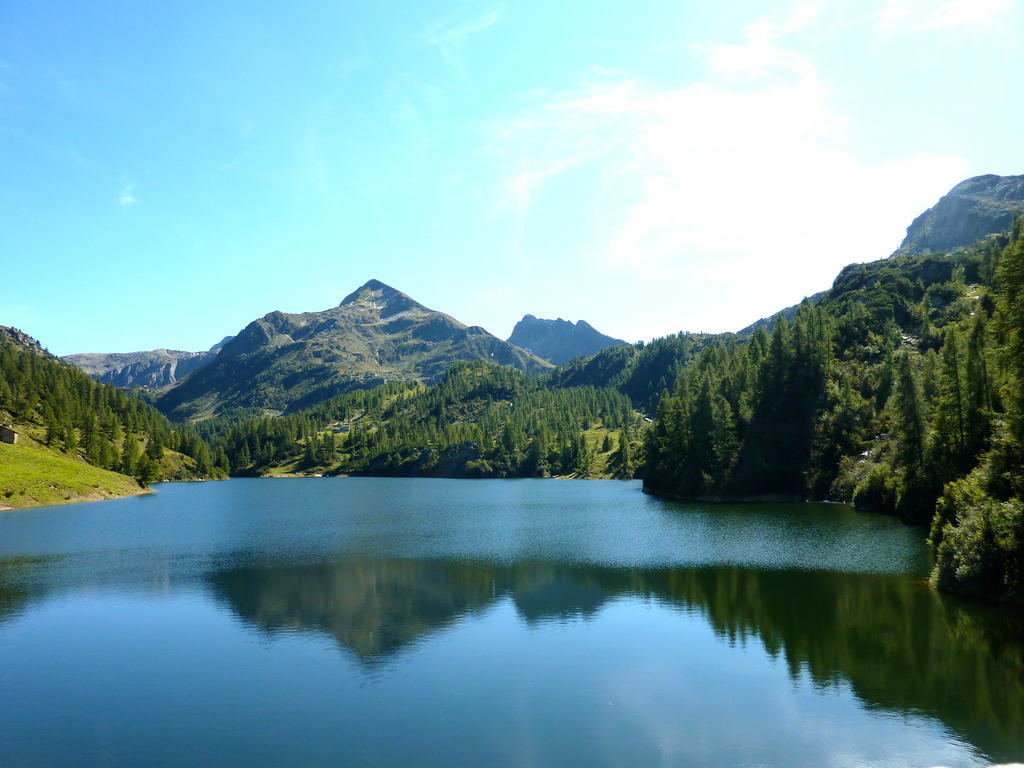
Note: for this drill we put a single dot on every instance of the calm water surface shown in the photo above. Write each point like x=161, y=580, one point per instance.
x=358, y=621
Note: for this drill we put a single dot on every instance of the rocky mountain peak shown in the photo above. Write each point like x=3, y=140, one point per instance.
x=559, y=341
x=973, y=209
x=381, y=297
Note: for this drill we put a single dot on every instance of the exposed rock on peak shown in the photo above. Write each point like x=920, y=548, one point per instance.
x=973, y=209
x=152, y=369
x=380, y=301
x=559, y=341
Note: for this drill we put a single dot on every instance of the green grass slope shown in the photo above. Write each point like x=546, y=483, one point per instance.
x=34, y=476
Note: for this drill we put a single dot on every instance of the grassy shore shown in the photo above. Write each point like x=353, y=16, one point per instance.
x=32, y=475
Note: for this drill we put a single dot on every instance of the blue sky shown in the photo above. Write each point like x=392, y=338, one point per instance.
x=169, y=172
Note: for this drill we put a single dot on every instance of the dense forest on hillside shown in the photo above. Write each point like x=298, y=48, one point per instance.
x=61, y=408
x=902, y=391
x=644, y=372
x=480, y=420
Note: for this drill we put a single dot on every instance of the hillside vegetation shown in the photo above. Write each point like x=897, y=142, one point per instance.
x=82, y=439
x=901, y=391
x=480, y=420
x=33, y=475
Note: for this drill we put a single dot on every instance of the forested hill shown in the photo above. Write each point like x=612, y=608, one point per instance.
x=901, y=391
x=644, y=372
x=67, y=422
x=479, y=420
x=789, y=313
x=286, y=362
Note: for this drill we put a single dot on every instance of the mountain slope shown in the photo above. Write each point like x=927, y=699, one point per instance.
x=902, y=392
x=152, y=369
x=559, y=341
x=973, y=209
x=31, y=475
x=79, y=439
x=789, y=313
x=377, y=334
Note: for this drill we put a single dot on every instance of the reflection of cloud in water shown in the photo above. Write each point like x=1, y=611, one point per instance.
x=899, y=646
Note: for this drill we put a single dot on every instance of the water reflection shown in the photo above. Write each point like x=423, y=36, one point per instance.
x=901, y=647
x=14, y=596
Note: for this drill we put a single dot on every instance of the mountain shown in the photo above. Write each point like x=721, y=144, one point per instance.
x=559, y=341
x=151, y=370
x=972, y=210
x=377, y=334
x=789, y=313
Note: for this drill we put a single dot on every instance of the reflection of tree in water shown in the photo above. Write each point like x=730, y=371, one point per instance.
x=14, y=597
x=900, y=646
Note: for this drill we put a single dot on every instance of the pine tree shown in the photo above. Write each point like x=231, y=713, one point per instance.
x=625, y=456
x=949, y=426
x=1011, y=312
x=909, y=417
x=979, y=402
x=129, y=456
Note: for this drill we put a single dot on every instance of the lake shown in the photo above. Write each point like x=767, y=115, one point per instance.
x=394, y=622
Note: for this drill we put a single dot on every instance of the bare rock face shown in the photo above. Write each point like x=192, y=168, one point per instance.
x=972, y=210
x=559, y=341
x=151, y=370
x=284, y=362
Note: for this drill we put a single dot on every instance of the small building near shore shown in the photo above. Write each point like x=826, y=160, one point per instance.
x=8, y=435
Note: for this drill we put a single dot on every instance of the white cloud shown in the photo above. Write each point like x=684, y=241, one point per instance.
x=960, y=12
x=739, y=189
x=520, y=187
x=126, y=194
x=920, y=15
x=449, y=38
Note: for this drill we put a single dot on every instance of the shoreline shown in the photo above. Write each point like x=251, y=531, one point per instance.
x=5, y=506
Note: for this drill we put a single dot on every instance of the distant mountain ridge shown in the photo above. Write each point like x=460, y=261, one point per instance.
x=151, y=369
x=287, y=361
x=973, y=209
x=559, y=341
